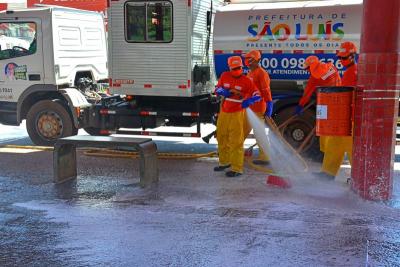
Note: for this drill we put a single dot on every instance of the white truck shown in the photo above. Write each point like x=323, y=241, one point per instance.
x=161, y=58
x=63, y=45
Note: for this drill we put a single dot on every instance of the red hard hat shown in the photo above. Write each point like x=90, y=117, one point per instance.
x=234, y=62
x=254, y=54
x=346, y=49
x=311, y=61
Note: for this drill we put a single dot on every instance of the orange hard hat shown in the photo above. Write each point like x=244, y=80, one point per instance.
x=318, y=70
x=254, y=54
x=346, y=49
x=235, y=62
x=311, y=61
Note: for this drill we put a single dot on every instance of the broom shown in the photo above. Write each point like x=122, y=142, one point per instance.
x=278, y=180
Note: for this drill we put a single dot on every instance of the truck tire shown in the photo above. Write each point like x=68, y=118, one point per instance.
x=94, y=131
x=298, y=129
x=48, y=121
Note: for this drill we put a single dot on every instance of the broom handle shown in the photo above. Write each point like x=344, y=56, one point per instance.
x=275, y=129
x=309, y=136
x=294, y=116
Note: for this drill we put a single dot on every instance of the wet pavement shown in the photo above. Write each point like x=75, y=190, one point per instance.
x=194, y=217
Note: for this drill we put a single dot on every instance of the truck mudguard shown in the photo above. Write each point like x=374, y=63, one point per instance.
x=75, y=100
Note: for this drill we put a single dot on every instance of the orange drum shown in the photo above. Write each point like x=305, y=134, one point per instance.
x=334, y=111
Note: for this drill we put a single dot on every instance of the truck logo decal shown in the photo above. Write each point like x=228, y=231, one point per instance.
x=296, y=27
x=282, y=32
x=280, y=66
x=15, y=72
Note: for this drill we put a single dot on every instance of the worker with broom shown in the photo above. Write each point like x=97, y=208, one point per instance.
x=337, y=146
x=238, y=93
x=264, y=107
x=322, y=74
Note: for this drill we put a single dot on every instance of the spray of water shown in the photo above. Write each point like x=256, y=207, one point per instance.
x=282, y=158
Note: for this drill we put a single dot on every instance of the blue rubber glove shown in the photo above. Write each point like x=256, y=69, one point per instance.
x=223, y=92
x=270, y=108
x=299, y=110
x=250, y=101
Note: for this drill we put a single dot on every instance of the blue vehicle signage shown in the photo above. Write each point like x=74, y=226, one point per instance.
x=281, y=66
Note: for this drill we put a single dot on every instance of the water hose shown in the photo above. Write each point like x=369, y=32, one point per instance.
x=249, y=162
x=111, y=153
x=40, y=148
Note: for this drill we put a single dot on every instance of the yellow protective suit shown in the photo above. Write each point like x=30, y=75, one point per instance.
x=322, y=143
x=246, y=131
x=335, y=148
x=230, y=139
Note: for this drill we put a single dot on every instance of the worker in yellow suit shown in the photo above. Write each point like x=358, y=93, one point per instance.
x=264, y=107
x=337, y=146
x=239, y=93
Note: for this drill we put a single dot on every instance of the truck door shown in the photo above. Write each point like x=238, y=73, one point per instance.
x=21, y=57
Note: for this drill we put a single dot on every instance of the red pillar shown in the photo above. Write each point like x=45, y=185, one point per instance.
x=376, y=102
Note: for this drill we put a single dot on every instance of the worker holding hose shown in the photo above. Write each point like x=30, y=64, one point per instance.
x=322, y=74
x=238, y=93
x=264, y=107
x=337, y=146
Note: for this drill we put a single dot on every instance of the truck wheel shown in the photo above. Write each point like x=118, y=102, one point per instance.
x=94, y=131
x=48, y=121
x=296, y=131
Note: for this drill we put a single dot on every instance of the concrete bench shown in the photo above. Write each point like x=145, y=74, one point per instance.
x=64, y=155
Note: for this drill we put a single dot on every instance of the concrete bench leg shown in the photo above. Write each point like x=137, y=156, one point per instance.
x=148, y=165
x=64, y=164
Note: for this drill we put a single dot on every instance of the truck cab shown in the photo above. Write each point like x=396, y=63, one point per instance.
x=44, y=51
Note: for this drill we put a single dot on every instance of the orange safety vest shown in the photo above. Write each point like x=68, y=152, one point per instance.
x=350, y=76
x=242, y=84
x=262, y=81
x=350, y=79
